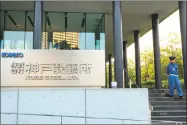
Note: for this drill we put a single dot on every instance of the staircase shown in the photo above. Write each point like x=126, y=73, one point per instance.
x=165, y=109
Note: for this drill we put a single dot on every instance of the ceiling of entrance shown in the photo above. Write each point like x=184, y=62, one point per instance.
x=135, y=15
x=75, y=22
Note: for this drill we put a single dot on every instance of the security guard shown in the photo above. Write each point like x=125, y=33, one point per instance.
x=172, y=72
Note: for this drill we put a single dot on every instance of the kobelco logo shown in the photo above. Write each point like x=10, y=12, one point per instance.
x=11, y=55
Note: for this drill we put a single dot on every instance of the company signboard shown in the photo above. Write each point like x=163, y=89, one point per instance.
x=53, y=68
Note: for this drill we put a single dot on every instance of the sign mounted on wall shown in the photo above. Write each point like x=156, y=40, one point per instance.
x=53, y=68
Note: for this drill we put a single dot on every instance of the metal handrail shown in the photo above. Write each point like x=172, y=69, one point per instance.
x=129, y=77
x=158, y=121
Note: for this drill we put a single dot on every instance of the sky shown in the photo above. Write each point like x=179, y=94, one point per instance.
x=169, y=25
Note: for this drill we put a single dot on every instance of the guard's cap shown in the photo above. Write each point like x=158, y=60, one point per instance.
x=172, y=57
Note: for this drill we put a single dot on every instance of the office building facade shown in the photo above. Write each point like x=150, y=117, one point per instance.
x=96, y=25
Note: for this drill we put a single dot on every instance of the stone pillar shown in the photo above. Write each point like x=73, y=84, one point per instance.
x=38, y=24
x=137, y=58
x=118, y=45
x=183, y=27
x=156, y=46
x=110, y=69
x=125, y=63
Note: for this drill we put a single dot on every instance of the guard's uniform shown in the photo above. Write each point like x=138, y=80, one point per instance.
x=172, y=72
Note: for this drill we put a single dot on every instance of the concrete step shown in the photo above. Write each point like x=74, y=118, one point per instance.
x=170, y=118
x=163, y=99
x=154, y=103
x=169, y=107
x=161, y=95
x=166, y=123
x=163, y=90
x=169, y=113
x=155, y=122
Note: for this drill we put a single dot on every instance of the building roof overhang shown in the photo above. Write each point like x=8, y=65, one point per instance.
x=135, y=14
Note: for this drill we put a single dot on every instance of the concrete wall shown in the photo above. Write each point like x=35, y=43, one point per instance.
x=75, y=106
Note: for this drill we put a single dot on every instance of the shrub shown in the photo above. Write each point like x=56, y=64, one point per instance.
x=151, y=84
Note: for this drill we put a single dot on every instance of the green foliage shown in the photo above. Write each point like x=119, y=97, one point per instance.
x=172, y=47
x=151, y=84
x=107, y=73
x=147, y=66
x=131, y=70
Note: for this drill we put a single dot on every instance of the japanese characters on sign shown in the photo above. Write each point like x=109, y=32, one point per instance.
x=35, y=71
x=52, y=68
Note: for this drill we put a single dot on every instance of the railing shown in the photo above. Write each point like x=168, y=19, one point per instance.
x=130, y=79
x=103, y=118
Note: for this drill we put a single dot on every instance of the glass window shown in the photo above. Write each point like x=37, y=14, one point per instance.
x=90, y=31
x=84, y=31
x=102, y=33
x=29, y=16
x=93, y=31
x=54, y=28
x=14, y=29
x=76, y=24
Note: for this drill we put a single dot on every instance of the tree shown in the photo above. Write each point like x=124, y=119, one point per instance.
x=131, y=69
x=107, y=73
x=147, y=65
x=172, y=48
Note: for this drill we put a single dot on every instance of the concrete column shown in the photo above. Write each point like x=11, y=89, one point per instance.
x=50, y=39
x=156, y=46
x=110, y=69
x=38, y=25
x=125, y=63
x=137, y=58
x=118, y=45
x=183, y=19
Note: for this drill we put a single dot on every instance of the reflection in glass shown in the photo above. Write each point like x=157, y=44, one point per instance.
x=102, y=33
x=29, y=17
x=91, y=27
x=46, y=25
x=75, y=35
x=93, y=32
x=53, y=30
x=83, y=31
x=18, y=30
x=14, y=30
